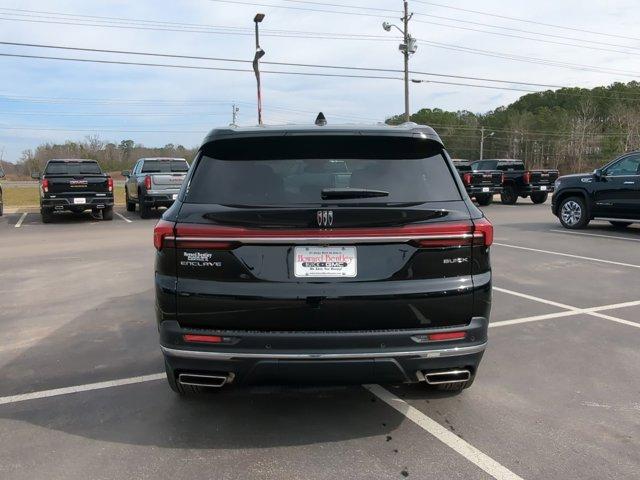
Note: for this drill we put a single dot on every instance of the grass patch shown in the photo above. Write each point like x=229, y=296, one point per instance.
x=29, y=196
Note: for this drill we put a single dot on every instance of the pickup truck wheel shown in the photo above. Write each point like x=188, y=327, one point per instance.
x=107, y=213
x=539, y=197
x=509, y=196
x=484, y=200
x=572, y=213
x=180, y=389
x=47, y=215
x=131, y=206
x=615, y=224
x=145, y=210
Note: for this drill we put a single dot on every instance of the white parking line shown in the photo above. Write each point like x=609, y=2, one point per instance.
x=591, y=259
x=615, y=237
x=450, y=439
x=80, y=388
x=123, y=217
x=571, y=310
x=19, y=223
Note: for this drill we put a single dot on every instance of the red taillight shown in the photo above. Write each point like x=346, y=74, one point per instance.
x=45, y=185
x=441, y=337
x=203, y=338
x=162, y=230
x=485, y=228
x=147, y=182
x=466, y=178
x=526, y=178
x=110, y=184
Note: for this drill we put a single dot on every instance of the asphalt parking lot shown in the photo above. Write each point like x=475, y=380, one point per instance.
x=82, y=394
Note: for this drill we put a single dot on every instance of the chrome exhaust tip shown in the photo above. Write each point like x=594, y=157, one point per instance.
x=200, y=380
x=447, y=376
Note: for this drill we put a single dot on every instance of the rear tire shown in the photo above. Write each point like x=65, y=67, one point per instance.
x=620, y=224
x=572, y=213
x=509, y=196
x=47, y=215
x=131, y=206
x=180, y=389
x=539, y=197
x=484, y=200
x=107, y=213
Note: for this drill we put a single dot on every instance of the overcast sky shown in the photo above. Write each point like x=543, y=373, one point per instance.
x=49, y=100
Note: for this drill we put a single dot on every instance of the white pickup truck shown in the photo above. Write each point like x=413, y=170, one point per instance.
x=153, y=183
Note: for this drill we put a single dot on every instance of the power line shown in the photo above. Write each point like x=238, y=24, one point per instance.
x=524, y=20
x=290, y=64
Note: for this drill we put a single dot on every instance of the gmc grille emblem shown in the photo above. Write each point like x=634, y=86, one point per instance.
x=325, y=218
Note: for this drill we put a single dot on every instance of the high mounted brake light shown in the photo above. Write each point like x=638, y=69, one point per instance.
x=45, y=185
x=147, y=182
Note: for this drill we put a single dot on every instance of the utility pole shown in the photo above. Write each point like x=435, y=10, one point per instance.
x=256, y=63
x=234, y=115
x=482, y=141
x=408, y=47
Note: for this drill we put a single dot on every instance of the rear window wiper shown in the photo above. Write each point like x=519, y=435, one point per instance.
x=334, y=193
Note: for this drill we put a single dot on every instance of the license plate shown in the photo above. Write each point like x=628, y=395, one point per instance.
x=174, y=196
x=79, y=201
x=485, y=189
x=325, y=262
x=543, y=188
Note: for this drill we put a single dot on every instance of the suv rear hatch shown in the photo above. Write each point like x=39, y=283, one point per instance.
x=274, y=235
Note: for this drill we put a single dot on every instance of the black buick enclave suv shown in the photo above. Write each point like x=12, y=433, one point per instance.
x=322, y=254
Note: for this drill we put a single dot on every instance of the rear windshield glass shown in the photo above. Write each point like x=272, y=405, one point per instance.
x=73, y=168
x=485, y=165
x=305, y=170
x=164, y=166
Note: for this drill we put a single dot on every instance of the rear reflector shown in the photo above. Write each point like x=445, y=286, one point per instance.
x=203, y=338
x=440, y=337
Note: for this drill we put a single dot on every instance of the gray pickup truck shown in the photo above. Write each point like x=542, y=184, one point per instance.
x=154, y=182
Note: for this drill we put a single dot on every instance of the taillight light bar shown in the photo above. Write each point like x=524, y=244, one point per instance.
x=431, y=235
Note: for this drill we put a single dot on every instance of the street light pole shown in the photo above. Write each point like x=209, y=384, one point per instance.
x=256, y=64
x=405, y=20
x=408, y=47
x=482, y=141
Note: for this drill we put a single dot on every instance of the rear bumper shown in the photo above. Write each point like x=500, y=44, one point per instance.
x=67, y=203
x=479, y=190
x=161, y=198
x=528, y=189
x=323, y=357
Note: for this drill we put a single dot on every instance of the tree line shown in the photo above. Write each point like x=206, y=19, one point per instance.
x=111, y=156
x=572, y=129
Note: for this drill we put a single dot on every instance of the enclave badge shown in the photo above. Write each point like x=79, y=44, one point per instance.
x=325, y=218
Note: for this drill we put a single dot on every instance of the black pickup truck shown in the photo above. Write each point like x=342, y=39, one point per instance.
x=481, y=185
x=518, y=181
x=610, y=193
x=76, y=186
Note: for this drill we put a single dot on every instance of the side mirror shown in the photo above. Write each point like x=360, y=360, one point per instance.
x=126, y=173
x=35, y=175
x=597, y=173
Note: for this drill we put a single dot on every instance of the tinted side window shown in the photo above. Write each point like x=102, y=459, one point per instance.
x=626, y=166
